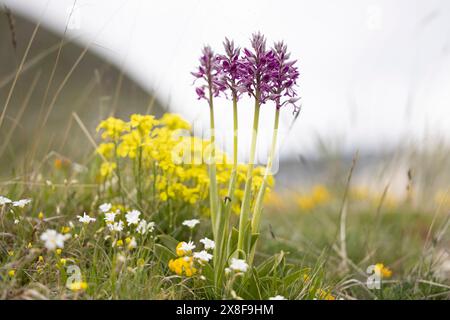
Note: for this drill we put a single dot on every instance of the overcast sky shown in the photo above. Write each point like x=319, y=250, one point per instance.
x=373, y=73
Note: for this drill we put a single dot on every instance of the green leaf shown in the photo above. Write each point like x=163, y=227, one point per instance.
x=168, y=241
x=163, y=253
x=270, y=264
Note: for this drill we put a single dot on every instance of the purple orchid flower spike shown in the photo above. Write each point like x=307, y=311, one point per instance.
x=284, y=78
x=209, y=71
x=232, y=69
x=259, y=69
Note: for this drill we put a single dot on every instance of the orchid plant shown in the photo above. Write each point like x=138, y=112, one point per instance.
x=269, y=77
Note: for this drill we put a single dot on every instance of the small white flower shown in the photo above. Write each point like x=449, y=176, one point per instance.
x=187, y=246
x=133, y=217
x=53, y=239
x=208, y=243
x=238, y=265
x=116, y=226
x=144, y=227
x=21, y=203
x=85, y=218
x=277, y=297
x=110, y=217
x=16, y=221
x=105, y=207
x=4, y=200
x=191, y=223
x=203, y=256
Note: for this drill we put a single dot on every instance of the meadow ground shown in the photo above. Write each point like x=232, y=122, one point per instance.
x=316, y=244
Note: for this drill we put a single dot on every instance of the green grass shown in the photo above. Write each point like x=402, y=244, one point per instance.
x=407, y=240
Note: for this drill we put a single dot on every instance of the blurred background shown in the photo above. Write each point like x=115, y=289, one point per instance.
x=375, y=78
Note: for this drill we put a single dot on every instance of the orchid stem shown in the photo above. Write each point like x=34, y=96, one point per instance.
x=214, y=198
x=245, y=209
x=260, y=197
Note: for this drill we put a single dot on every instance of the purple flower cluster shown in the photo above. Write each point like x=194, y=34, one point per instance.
x=265, y=74
x=209, y=70
x=284, y=78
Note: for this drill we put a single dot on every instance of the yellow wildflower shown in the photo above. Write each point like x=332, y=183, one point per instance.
x=65, y=229
x=320, y=194
x=385, y=272
x=107, y=168
x=78, y=286
x=324, y=295
x=305, y=202
x=183, y=266
x=119, y=243
x=112, y=128
x=12, y=273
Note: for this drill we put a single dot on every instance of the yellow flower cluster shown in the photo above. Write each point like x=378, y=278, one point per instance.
x=171, y=160
x=319, y=195
x=184, y=265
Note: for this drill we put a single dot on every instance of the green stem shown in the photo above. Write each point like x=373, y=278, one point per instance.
x=139, y=177
x=245, y=209
x=119, y=182
x=220, y=248
x=214, y=196
x=260, y=197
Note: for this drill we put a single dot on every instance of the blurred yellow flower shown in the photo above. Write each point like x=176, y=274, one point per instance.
x=78, y=286
x=107, y=168
x=305, y=202
x=320, y=194
x=383, y=271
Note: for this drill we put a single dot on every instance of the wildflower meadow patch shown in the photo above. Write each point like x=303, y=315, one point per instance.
x=157, y=212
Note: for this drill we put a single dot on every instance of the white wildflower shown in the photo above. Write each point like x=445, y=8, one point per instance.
x=238, y=265
x=116, y=226
x=4, y=200
x=105, y=207
x=21, y=203
x=187, y=246
x=191, y=223
x=144, y=227
x=85, y=218
x=53, y=239
x=133, y=217
x=110, y=217
x=203, y=256
x=208, y=243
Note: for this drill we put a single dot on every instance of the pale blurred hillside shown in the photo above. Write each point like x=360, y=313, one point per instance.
x=94, y=90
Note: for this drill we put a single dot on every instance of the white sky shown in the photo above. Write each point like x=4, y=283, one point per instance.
x=373, y=73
